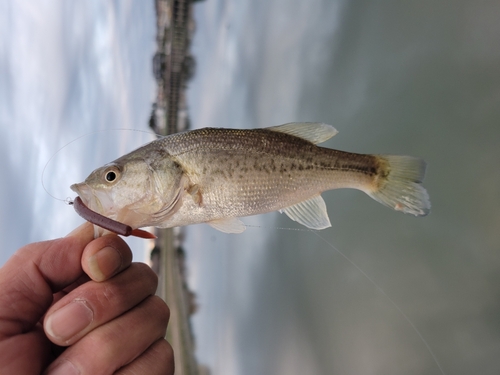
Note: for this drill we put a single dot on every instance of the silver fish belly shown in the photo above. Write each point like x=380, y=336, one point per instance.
x=218, y=175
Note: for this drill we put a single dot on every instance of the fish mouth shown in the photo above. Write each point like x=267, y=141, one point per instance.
x=96, y=200
x=88, y=197
x=84, y=191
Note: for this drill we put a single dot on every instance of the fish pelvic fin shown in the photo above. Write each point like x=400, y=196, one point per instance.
x=398, y=185
x=228, y=225
x=314, y=132
x=310, y=213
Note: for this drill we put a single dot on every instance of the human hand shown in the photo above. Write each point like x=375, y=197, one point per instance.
x=86, y=295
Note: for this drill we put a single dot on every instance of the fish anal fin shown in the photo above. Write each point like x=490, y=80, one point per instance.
x=315, y=132
x=228, y=225
x=310, y=213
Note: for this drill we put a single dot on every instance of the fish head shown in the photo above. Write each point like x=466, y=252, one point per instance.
x=132, y=191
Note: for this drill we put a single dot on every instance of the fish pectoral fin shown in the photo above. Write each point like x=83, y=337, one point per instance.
x=315, y=132
x=228, y=225
x=195, y=192
x=311, y=213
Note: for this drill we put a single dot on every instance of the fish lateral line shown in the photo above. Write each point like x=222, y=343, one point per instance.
x=107, y=223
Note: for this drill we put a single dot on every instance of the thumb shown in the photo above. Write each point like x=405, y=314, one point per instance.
x=34, y=273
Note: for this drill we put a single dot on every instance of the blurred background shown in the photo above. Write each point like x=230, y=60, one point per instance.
x=417, y=78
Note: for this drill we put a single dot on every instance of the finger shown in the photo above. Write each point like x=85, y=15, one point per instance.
x=59, y=295
x=36, y=271
x=117, y=343
x=158, y=359
x=95, y=303
x=105, y=257
x=101, y=258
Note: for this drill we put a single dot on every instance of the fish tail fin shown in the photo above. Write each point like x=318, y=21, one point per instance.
x=398, y=184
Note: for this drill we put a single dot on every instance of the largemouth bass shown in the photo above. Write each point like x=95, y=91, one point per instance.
x=216, y=176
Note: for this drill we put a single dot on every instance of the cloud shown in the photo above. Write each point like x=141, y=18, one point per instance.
x=67, y=69
x=251, y=59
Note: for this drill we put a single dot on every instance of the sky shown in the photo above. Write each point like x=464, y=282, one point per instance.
x=393, y=77
x=66, y=72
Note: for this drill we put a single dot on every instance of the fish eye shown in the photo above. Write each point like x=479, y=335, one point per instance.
x=112, y=174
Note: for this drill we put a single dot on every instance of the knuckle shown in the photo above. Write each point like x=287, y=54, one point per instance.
x=147, y=274
x=108, y=295
x=165, y=354
x=162, y=311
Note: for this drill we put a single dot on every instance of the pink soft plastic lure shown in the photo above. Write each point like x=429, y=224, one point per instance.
x=107, y=223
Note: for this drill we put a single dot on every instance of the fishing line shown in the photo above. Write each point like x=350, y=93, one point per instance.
x=290, y=229
x=374, y=283
x=69, y=200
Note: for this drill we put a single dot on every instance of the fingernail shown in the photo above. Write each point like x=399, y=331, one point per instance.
x=69, y=320
x=104, y=263
x=63, y=368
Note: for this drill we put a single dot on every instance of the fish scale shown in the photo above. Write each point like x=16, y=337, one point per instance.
x=272, y=168
x=218, y=175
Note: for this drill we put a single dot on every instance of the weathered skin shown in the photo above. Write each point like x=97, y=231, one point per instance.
x=209, y=175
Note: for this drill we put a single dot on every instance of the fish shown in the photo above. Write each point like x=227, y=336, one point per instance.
x=218, y=175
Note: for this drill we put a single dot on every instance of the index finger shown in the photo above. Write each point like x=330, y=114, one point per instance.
x=34, y=273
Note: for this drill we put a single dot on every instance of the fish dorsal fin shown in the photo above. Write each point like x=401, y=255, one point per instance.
x=311, y=213
x=228, y=225
x=315, y=132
